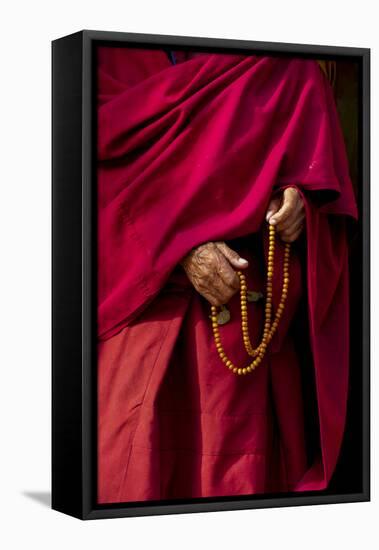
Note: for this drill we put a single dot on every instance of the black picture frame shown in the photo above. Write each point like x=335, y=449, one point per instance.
x=74, y=277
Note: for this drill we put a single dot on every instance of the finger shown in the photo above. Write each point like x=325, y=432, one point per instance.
x=291, y=237
x=211, y=292
x=217, y=298
x=299, y=222
x=228, y=274
x=273, y=207
x=232, y=256
x=222, y=290
x=290, y=198
x=213, y=287
x=296, y=222
x=295, y=219
x=212, y=299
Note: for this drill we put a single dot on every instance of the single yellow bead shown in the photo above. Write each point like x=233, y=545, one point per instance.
x=239, y=371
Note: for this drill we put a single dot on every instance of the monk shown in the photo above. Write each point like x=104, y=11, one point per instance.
x=198, y=155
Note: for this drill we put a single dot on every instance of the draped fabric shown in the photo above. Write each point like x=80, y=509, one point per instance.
x=190, y=153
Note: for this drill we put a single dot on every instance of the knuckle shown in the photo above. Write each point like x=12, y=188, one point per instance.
x=233, y=254
x=213, y=261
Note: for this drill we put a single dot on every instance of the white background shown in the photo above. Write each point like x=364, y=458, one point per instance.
x=26, y=31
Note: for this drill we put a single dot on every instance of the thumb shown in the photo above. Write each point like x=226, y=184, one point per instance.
x=233, y=257
x=287, y=206
x=273, y=207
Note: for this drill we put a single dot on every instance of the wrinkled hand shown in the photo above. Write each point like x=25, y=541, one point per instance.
x=286, y=211
x=211, y=268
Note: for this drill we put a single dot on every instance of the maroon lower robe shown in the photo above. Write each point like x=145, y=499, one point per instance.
x=188, y=154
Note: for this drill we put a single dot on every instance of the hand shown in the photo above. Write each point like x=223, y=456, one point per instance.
x=287, y=213
x=211, y=269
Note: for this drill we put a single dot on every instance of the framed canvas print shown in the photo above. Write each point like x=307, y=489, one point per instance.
x=210, y=274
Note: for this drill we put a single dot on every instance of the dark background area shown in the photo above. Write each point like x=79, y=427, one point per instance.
x=346, y=82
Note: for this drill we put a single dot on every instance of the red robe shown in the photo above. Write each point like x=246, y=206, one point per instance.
x=188, y=154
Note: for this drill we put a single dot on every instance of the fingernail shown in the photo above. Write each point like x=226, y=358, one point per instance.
x=242, y=261
x=268, y=215
x=272, y=221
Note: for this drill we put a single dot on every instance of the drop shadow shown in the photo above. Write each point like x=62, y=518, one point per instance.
x=42, y=497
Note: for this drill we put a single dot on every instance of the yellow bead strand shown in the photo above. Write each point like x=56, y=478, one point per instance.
x=269, y=328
